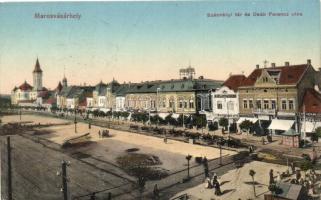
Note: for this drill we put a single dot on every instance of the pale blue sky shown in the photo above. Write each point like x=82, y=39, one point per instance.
x=134, y=41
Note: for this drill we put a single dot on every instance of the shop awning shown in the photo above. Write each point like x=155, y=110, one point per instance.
x=105, y=110
x=163, y=115
x=310, y=126
x=263, y=117
x=251, y=119
x=175, y=115
x=281, y=124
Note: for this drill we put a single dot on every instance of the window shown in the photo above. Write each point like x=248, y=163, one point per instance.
x=250, y=103
x=164, y=103
x=258, y=104
x=283, y=104
x=219, y=105
x=191, y=103
x=245, y=104
x=273, y=104
x=185, y=104
x=266, y=104
x=291, y=105
x=230, y=105
x=180, y=105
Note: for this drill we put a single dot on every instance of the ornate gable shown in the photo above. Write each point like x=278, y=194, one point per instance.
x=265, y=79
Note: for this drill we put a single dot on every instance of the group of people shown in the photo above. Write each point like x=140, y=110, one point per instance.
x=103, y=133
x=213, y=183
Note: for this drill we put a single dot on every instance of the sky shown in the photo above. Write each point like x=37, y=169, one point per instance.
x=140, y=41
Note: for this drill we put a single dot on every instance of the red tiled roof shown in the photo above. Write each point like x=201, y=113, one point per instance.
x=234, y=81
x=83, y=103
x=50, y=101
x=311, y=101
x=37, y=67
x=289, y=74
x=25, y=86
x=43, y=94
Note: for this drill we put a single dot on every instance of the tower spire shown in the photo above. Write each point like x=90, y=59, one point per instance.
x=37, y=67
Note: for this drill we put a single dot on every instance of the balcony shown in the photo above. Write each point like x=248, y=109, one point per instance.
x=264, y=111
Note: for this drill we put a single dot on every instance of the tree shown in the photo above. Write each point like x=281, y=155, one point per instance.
x=252, y=174
x=200, y=121
x=246, y=125
x=306, y=165
x=223, y=122
x=315, y=136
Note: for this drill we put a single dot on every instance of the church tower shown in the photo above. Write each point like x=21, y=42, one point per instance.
x=64, y=82
x=37, y=77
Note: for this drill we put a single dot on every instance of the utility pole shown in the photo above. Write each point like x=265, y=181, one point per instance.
x=9, y=169
x=64, y=180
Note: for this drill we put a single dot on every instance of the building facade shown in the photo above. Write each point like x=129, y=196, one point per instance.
x=25, y=94
x=275, y=91
x=226, y=99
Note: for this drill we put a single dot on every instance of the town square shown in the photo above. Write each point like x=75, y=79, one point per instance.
x=182, y=100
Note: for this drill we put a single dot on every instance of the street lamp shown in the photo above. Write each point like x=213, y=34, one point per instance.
x=188, y=158
x=228, y=117
x=157, y=101
x=75, y=121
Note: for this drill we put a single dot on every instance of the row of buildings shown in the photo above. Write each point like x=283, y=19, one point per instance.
x=269, y=93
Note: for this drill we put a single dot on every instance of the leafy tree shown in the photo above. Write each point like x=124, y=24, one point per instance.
x=223, y=122
x=246, y=125
x=200, y=121
x=172, y=121
x=212, y=126
x=315, y=136
x=180, y=120
x=306, y=165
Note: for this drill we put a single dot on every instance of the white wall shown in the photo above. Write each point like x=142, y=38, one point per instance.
x=228, y=99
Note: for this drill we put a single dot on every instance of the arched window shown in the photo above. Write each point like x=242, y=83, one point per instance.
x=191, y=103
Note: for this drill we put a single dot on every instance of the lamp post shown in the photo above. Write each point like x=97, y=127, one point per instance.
x=75, y=121
x=150, y=107
x=220, y=151
x=188, y=158
x=228, y=117
x=157, y=106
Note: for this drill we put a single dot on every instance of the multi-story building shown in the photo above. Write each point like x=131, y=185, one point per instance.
x=226, y=99
x=276, y=92
x=141, y=96
x=186, y=95
x=71, y=97
x=25, y=94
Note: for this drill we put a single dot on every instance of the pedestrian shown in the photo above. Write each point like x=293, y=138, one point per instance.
x=205, y=164
x=99, y=134
x=156, y=192
x=271, y=177
x=263, y=140
x=217, y=187
x=89, y=125
x=292, y=167
x=165, y=140
x=298, y=175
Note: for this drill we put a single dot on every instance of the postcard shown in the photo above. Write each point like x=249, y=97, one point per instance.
x=160, y=100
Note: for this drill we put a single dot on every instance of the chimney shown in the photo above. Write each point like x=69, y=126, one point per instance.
x=273, y=65
x=309, y=61
x=257, y=66
x=287, y=63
